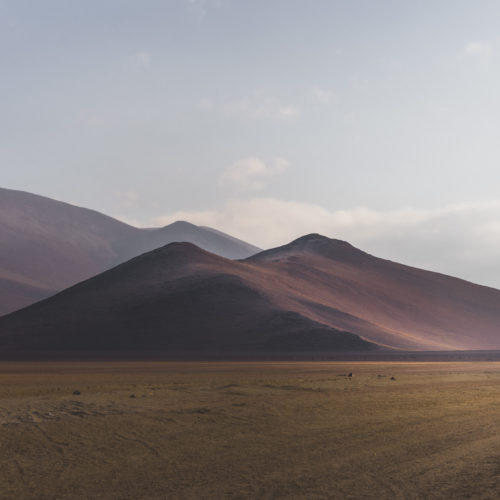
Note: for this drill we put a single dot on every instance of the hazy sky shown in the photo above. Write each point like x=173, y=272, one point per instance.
x=372, y=121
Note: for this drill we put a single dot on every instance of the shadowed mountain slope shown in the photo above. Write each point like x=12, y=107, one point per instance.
x=176, y=298
x=46, y=245
x=303, y=296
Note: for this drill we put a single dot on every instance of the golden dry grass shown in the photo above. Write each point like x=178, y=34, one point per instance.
x=249, y=430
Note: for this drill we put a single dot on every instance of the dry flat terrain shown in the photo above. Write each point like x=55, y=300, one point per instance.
x=249, y=430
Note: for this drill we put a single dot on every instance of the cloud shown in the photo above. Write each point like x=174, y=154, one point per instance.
x=251, y=174
x=461, y=240
x=259, y=108
x=255, y=107
x=480, y=50
x=323, y=96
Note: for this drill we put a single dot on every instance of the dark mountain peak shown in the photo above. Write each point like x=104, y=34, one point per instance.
x=172, y=259
x=318, y=239
x=178, y=253
x=155, y=267
x=310, y=237
x=47, y=245
x=180, y=224
x=316, y=245
x=207, y=238
x=184, y=249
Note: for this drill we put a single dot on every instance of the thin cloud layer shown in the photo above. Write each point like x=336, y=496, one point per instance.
x=251, y=174
x=162, y=101
x=256, y=107
x=461, y=240
x=480, y=50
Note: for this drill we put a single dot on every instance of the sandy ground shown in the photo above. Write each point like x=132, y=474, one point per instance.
x=249, y=430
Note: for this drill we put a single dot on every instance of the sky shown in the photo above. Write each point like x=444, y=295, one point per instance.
x=373, y=121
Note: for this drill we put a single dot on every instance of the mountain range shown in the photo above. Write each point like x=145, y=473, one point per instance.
x=314, y=294
x=48, y=245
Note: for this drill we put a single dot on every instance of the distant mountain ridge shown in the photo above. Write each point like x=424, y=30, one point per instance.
x=314, y=294
x=47, y=245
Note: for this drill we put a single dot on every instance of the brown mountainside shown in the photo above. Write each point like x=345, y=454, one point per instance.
x=176, y=298
x=314, y=294
x=47, y=245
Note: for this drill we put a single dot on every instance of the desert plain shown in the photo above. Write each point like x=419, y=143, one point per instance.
x=249, y=430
